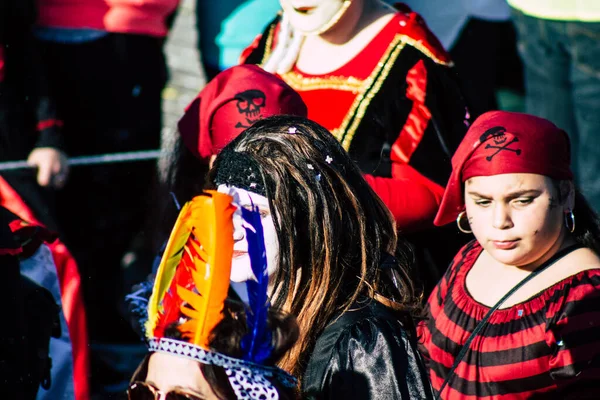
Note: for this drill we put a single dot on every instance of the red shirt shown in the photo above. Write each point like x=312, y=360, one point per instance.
x=147, y=17
x=546, y=347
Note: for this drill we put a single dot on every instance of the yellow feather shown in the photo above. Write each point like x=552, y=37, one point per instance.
x=209, y=219
x=168, y=265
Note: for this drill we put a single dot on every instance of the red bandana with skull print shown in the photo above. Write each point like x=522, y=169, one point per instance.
x=501, y=142
x=231, y=102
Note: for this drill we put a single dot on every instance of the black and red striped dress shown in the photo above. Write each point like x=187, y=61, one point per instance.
x=547, y=347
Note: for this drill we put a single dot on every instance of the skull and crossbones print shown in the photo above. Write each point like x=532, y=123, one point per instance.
x=498, y=134
x=250, y=104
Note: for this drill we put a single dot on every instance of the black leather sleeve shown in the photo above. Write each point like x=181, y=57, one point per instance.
x=366, y=355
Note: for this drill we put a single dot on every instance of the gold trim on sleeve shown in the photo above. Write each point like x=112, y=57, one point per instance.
x=378, y=77
x=417, y=44
x=365, y=89
x=268, y=45
x=372, y=85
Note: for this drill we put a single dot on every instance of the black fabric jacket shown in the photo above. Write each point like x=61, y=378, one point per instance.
x=367, y=353
x=25, y=101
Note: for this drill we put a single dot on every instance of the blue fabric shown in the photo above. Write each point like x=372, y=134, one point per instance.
x=562, y=84
x=446, y=19
x=68, y=35
x=123, y=359
x=257, y=343
x=227, y=27
x=40, y=268
x=137, y=300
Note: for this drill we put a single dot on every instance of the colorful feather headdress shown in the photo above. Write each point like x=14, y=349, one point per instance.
x=191, y=287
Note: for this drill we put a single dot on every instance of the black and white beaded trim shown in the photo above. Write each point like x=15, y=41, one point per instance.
x=193, y=352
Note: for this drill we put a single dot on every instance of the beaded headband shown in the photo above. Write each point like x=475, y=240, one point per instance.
x=239, y=170
x=242, y=171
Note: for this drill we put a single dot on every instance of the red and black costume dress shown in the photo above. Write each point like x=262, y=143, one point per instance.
x=546, y=347
x=397, y=109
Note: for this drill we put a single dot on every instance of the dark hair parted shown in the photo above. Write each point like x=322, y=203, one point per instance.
x=587, y=227
x=226, y=338
x=587, y=223
x=333, y=230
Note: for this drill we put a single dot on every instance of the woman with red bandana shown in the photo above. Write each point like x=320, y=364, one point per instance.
x=384, y=86
x=231, y=102
x=522, y=301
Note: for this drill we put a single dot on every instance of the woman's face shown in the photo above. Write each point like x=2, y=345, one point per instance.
x=310, y=15
x=517, y=218
x=167, y=372
x=241, y=269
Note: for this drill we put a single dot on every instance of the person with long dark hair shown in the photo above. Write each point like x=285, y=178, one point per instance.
x=335, y=260
x=517, y=314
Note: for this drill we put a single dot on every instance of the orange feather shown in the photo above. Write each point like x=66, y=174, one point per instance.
x=197, y=273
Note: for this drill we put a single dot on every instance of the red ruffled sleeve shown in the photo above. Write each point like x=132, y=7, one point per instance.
x=572, y=334
x=412, y=198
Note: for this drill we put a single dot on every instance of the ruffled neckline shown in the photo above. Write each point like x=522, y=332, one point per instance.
x=469, y=305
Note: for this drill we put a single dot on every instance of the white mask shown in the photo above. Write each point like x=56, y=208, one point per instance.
x=241, y=270
x=314, y=16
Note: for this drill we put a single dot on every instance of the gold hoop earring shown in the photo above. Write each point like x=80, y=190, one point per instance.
x=458, y=222
x=570, y=216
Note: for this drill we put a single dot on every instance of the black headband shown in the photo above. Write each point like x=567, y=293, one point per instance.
x=239, y=170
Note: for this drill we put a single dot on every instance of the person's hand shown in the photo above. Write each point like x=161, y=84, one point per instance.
x=52, y=166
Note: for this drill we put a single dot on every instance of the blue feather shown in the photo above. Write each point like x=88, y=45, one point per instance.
x=138, y=305
x=256, y=344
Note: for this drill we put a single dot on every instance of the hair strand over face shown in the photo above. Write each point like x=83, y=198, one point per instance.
x=333, y=230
